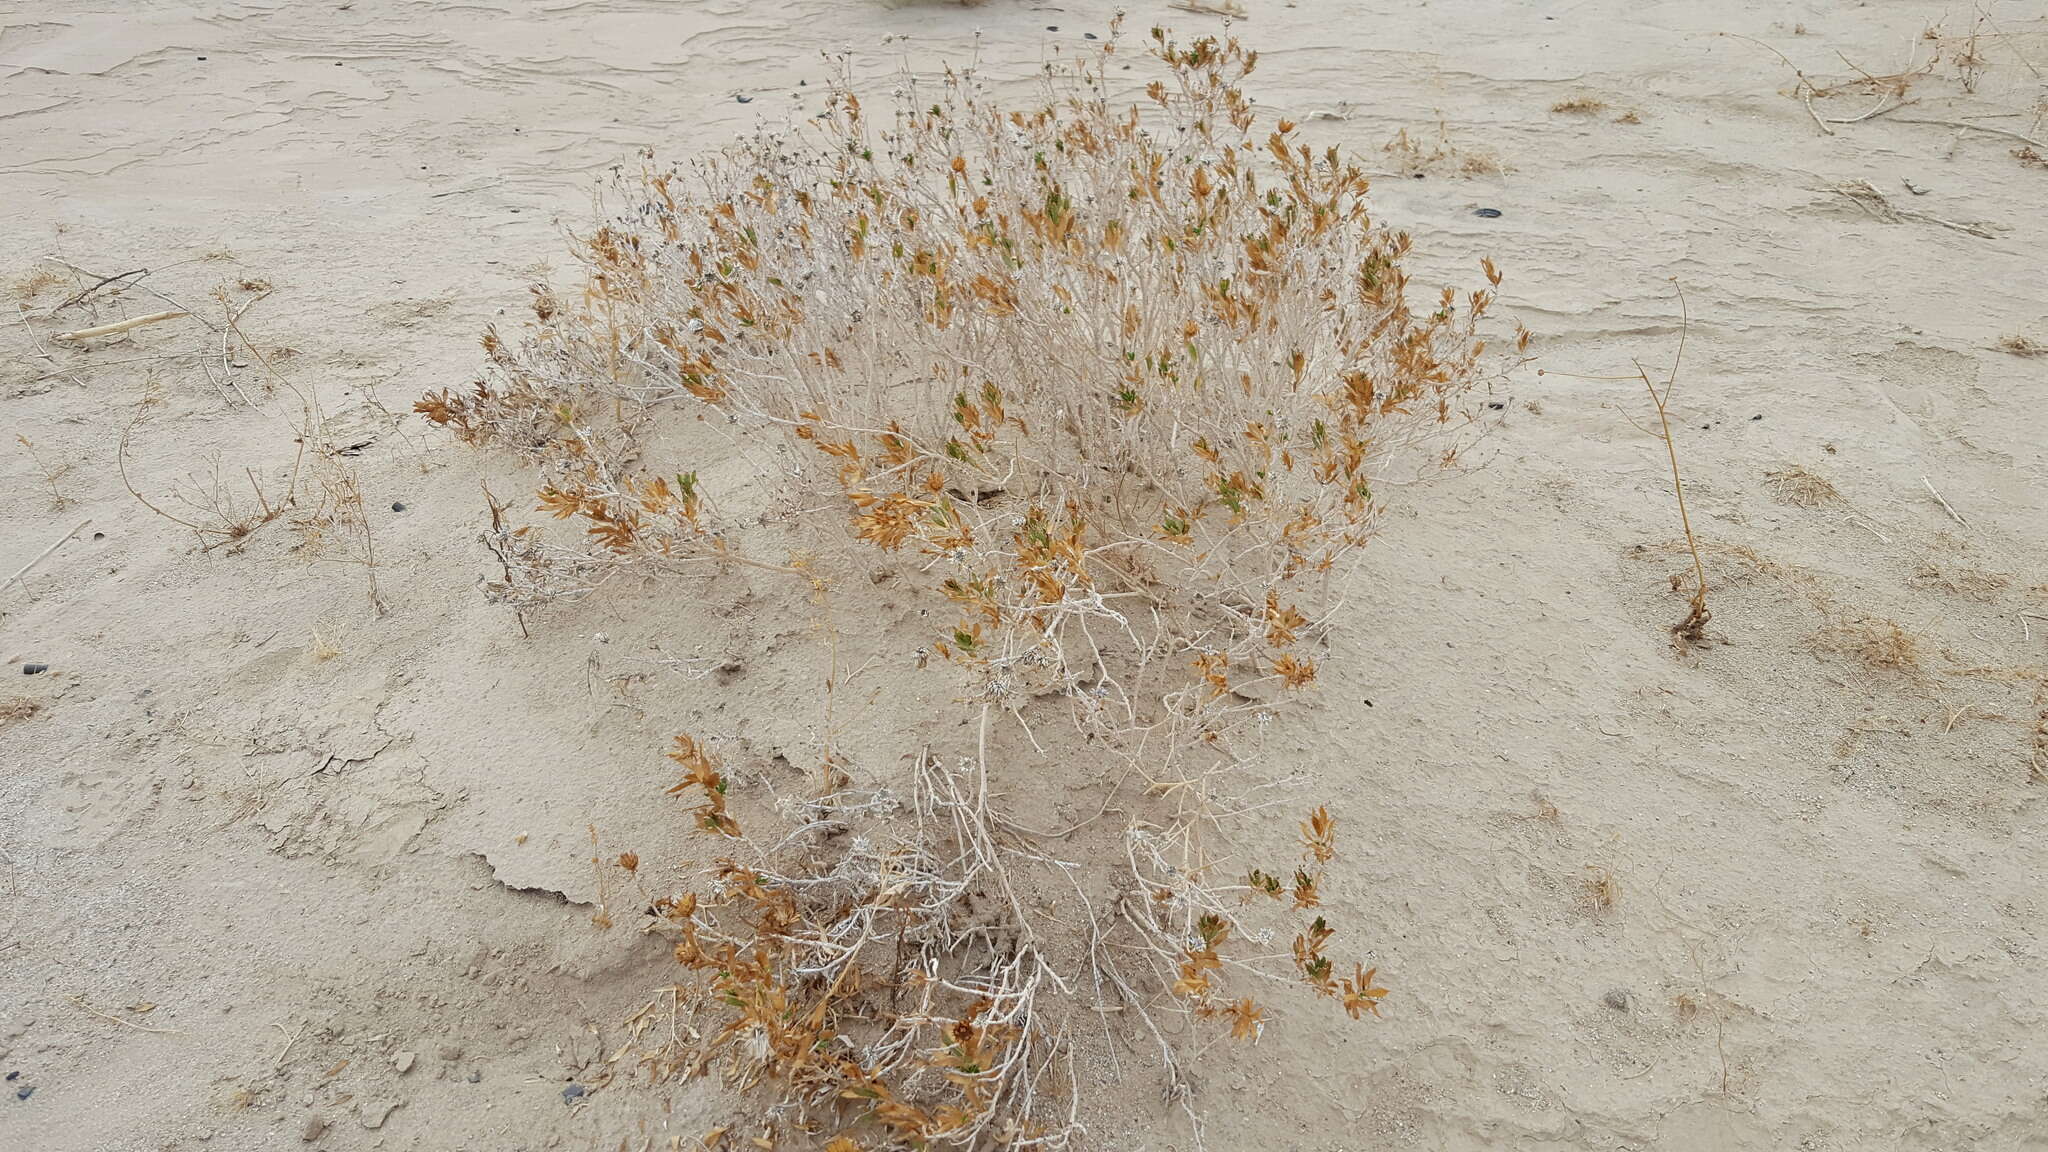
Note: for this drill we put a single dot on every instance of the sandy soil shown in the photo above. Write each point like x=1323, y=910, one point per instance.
x=344, y=852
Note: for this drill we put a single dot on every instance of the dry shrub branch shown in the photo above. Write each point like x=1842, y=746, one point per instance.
x=1120, y=387
x=1692, y=630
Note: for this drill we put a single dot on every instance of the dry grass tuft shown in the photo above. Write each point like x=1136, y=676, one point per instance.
x=1417, y=155
x=15, y=709
x=1968, y=583
x=1580, y=106
x=1599, y=889
x=1878, y=642
x=318, y=493
x=323, y=648
x=2020, y=345
x=35, y=283
x=1629, y=117
x=1741, y=566
x=1800, y=488
x=1481, y=164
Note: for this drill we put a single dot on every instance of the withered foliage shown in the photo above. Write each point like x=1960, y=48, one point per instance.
x=1119, y=385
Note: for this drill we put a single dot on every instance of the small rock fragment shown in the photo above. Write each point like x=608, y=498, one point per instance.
x=475, y=1074
x=570, y=1093
x=403, y=1062
x=316, y=1126
x=1616, y=998
x=450, y=1052
x=373, y=1113
x=24, y=1093
x=1487, y=213
x=34, y=669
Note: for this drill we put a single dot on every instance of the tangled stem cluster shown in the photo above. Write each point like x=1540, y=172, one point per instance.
x=1119, y=384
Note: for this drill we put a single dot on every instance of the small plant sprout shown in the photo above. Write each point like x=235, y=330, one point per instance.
x=1692, y=630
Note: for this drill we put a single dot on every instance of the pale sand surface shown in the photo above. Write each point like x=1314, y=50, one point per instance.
x=1829, y=932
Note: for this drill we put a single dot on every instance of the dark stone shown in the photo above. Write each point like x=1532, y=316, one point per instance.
x=571, y=1092
x=1487, y=213
x=25, y=1092
x=34, y=669
x=397, y=506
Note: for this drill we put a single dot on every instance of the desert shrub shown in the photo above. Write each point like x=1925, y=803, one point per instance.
x=1122, y=384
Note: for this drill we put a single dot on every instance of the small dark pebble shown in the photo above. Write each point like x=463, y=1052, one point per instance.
x=99, y=535
x=1088, y=35
x=475, y=1074
x=1758, y=416
x=571, y=1092
x=398, y=506
x=202, y=57
x=1052, y=27
x=1496, y=405
x=34, y=669
x=14, y=1075
x=24, y=1093
x=744, y=99
x=1487, y=213
x=803, y=83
